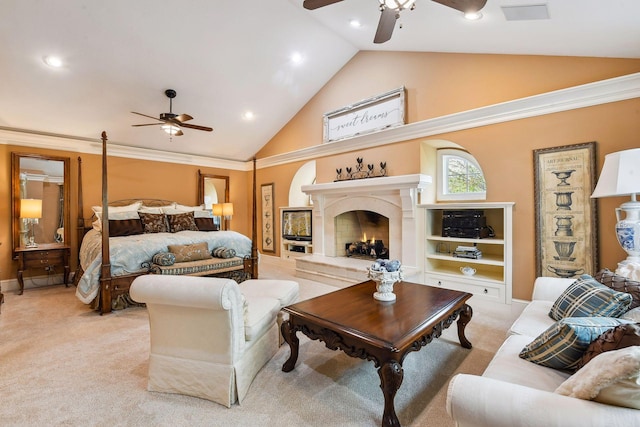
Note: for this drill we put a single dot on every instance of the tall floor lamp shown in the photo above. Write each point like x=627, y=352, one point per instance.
x=620, y=176
x=31, y=210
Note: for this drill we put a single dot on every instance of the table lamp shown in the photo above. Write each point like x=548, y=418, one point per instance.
x=31, y=210
x=227, y=212
x=620, y=176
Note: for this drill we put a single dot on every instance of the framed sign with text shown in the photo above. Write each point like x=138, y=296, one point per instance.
x=566, y=232
x=366, y=116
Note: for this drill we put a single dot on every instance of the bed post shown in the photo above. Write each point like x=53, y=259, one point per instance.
x=80, y=222
x=105, y=272
x=254, y=235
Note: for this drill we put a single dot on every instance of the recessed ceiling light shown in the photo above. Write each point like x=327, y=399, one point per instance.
x=296, y=58
x=473, y=16
x=53, y=61
x=248, y=115
x=355, y=23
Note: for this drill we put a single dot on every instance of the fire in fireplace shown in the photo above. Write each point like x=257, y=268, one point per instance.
x=352, y=229
x=367, y=249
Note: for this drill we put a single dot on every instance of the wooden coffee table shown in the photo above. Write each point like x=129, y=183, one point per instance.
x=351, y=320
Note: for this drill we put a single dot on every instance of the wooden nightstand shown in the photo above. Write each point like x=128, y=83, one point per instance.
x=46, y=256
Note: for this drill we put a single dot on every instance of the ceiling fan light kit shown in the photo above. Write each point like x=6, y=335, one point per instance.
x=390, y=12
x=172, y=123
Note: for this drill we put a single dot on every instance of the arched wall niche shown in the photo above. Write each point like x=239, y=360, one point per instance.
x=429, y=164
x=306, y=175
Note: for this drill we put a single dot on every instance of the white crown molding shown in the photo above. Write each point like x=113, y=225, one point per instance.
x=582, y=96
x=26, y=138
x=587, y=95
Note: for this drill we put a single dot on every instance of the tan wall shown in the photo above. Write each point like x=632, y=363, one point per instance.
x=436, y=84
x=128, y=178
x=439, y=84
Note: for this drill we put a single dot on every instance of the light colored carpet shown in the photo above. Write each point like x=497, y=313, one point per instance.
x=62, y=364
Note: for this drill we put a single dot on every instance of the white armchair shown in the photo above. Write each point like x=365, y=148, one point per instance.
x=207, y=339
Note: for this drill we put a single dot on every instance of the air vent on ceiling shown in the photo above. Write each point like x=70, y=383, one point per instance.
x=525, y=12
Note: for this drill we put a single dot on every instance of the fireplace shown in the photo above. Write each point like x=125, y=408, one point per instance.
x=393, y=198
x=362, y=234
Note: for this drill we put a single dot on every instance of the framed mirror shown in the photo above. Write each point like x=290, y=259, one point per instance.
x=40, y=199
x=213, y=190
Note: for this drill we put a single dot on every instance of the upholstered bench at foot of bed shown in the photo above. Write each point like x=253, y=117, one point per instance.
x=203, y=267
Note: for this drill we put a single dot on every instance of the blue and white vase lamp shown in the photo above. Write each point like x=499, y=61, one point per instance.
x=620, y=176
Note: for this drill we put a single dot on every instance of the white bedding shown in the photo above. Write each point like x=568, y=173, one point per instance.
x=129, y=252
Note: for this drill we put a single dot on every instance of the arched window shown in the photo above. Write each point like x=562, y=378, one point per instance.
x=459, y=176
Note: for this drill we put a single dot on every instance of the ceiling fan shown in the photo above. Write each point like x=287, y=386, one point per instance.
x=390, y=11
x=170, y=122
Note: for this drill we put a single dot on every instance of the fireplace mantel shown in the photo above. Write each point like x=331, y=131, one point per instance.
x=395, y=197
x=369, y=185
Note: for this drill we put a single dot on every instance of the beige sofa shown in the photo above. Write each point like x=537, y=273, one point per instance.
x=210, y=336
x=514, y=392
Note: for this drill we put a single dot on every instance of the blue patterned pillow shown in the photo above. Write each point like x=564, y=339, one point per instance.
x=586, y=297
x=164, y=258
x=562, y=345
x=222, y=252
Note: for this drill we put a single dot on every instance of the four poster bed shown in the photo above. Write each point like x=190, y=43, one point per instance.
x=111, y=258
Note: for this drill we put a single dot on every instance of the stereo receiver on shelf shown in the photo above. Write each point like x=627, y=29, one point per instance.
x=471, y=224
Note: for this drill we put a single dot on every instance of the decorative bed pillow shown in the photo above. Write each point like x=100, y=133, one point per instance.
x=612, y=378
x=125, y=227
x=164, y=258
x=562, y=345
x=614, y=339
x=203, y=214
x=194, y=252
x=586, y=297
x=222, y=252
x=620, y=284
x=97, y=224
x=182, y=221
x=205, y=224
x=154, y=223
x=116, y=209
x=184, y=208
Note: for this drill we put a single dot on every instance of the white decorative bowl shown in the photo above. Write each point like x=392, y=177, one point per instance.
x=384, y=283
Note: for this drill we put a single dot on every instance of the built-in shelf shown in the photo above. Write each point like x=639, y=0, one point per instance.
x=493, y=277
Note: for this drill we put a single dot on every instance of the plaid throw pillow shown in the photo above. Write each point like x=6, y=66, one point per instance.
x=562, y=345
x=587, y=298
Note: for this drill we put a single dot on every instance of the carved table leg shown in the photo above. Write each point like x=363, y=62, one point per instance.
x=465, y=317
x=66, y=276
x=391, y=375
x=289, y=335
x=20, y=282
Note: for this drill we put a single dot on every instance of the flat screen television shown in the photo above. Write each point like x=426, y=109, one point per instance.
x=296, y=224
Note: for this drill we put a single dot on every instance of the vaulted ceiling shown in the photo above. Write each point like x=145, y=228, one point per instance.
x=225, y=58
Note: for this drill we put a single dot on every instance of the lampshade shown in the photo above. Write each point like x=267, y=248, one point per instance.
x=227, y=209
x=217, y=209
x=30, y=208
x=620, y=174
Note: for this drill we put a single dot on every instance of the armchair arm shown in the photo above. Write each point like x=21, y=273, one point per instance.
x=480, y=401
x=185, y=291
x=550, y=288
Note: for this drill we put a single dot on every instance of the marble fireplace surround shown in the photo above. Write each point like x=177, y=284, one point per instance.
x=395, y=197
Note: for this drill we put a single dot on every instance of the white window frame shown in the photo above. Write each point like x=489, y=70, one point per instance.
x=442, y=176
